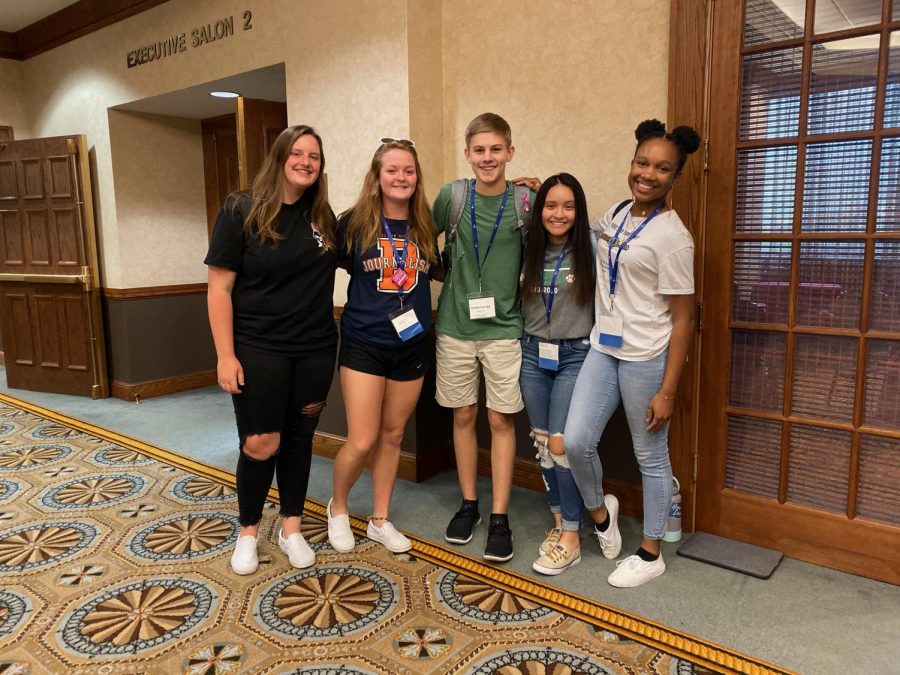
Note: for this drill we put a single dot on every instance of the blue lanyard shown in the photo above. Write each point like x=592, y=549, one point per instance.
x=548, y=302
x=399, y=258
x=493, y=232
x=614, y=264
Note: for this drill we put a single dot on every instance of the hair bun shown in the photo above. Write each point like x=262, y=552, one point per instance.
x=649, y=129
x=686, y=138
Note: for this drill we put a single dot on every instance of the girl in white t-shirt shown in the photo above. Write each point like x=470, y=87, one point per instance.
x=643, y=327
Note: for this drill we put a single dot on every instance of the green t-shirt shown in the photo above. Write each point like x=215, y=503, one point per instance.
x=499, y=271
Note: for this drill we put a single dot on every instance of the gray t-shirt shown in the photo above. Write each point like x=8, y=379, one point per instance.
x=569, y=320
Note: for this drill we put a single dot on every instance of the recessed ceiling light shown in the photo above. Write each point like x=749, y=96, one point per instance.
x=224, y=94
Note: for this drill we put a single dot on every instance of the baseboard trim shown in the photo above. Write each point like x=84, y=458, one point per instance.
x=136, y=391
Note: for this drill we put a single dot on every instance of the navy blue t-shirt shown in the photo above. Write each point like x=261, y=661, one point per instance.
x=373, y=295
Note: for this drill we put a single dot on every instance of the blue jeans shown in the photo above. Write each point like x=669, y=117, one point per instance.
x=547, y=395
x=604, y=381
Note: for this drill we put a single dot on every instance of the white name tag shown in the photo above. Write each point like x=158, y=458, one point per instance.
x=406, y=323
x=481, y=306
x=548, y=356
x=612, y=327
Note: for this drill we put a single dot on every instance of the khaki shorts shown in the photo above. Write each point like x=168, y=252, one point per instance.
x=459, y=363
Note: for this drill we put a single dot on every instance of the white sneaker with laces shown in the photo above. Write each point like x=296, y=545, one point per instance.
x=634, y=571
x=297, y=550
x=244, y=559
x=340, y=536
x=387, y=534
x=611, y=540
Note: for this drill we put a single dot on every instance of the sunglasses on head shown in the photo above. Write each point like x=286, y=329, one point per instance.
x=399, y=141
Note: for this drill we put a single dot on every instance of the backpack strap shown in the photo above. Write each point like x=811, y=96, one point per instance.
x=621, y=206
x=522, y=198
x=459, y=191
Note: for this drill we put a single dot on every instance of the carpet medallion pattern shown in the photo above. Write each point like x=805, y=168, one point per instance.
x=114, y=558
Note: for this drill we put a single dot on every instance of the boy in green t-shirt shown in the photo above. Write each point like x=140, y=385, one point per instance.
x=479, y=326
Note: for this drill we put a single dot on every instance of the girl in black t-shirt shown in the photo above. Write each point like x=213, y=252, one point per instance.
x=271, y=268
x=388, y=242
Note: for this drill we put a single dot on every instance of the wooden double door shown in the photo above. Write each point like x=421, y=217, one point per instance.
x=50, y=316
x=799, y=404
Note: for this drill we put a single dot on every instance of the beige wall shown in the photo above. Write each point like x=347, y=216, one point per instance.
x=157, y=164
x=572, y=78
x=13, y=99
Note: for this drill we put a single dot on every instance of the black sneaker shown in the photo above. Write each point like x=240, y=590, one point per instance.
x=459, y=531
x=499, y=542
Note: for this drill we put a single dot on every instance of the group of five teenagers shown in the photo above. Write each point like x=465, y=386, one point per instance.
x=271, y=265
x=557, y=307
x=388, y=244
x=640, y=339
x=479, y=326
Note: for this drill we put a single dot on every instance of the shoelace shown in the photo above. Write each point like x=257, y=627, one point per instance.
x=557, y=553
x=630, y=562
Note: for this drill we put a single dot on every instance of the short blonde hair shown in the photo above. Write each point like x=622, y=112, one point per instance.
x=489, y=122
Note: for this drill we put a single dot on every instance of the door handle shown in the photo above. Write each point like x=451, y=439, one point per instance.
x=84, y=278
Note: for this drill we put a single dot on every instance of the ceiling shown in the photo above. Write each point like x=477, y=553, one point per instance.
x=16, y=14
x=196, y=103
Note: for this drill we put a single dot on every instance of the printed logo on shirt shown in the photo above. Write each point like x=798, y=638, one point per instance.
x=565, y=273
x=384, y=263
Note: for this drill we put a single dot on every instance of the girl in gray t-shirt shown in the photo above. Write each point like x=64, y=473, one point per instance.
x=557, y=306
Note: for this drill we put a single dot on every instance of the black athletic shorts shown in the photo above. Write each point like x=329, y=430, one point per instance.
x=403, y=363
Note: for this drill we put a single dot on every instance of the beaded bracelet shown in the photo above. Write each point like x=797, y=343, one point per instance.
x=669, y=398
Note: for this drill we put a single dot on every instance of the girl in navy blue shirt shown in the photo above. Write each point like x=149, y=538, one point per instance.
x=387, y=240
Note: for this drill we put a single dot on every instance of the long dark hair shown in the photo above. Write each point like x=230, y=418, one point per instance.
x=266, y=194
x=579, y=242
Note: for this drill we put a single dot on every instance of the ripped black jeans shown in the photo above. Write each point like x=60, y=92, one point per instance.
x=284, y=395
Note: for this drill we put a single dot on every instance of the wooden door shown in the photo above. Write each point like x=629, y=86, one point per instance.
x=50, y=317
x=800, y=365
x=220, y=162
x=258, y=124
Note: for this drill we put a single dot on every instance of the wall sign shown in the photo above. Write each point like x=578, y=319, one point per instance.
x=219, y=29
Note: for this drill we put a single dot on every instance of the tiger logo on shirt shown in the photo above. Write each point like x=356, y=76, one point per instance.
x=384, y=263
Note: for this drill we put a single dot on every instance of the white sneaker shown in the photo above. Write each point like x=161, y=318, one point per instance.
x=244, y=560
x=634, y=571
x=298, y=551
x=340, y=536
x=611, y=540
x=387, y=534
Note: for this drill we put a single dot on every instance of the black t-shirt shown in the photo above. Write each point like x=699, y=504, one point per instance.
x=283, y=294
x=373, y=295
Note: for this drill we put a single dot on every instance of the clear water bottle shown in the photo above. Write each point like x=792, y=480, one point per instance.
x=673, y=528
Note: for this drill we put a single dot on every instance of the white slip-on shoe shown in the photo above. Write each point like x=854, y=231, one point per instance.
x=634, y=571
x=340, y=536
x=244, y=559
x=611, y=540
x=297, y=550
x=387, y=534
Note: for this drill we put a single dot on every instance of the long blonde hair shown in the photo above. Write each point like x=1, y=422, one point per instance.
x=267, y=192
x=365, y=215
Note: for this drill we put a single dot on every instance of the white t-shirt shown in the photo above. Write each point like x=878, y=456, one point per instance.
x=658, y=262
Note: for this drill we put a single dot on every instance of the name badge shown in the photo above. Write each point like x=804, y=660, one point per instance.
x=548, y=356
x=406, y=323
x=611, y=329
x=481, y=306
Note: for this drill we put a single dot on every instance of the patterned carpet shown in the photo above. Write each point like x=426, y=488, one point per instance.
x=114, y=559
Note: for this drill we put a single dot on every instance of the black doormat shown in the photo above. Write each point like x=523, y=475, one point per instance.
x=755, y=561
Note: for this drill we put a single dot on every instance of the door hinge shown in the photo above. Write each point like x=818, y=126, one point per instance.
x=95, y=391
x=699, y=317
x=72, y=146
x=706, y=155
x=86, y=277
x=696, y=462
